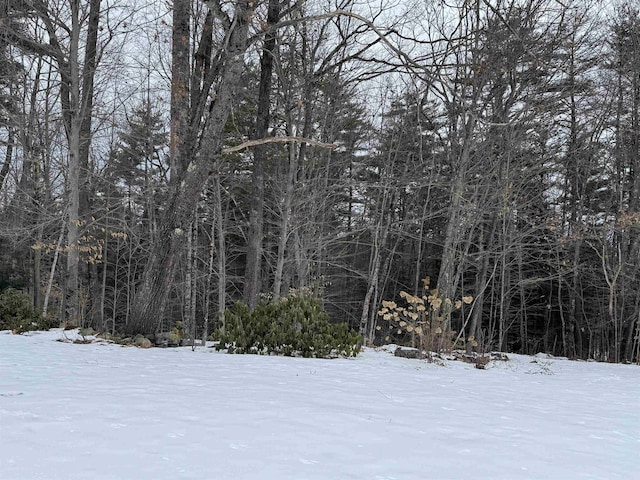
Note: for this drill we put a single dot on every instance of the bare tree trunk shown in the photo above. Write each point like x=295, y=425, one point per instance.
x=417, y=279
x=103, y=283
x=56, y=254
x=158, y=274
x=524, y=321
x=37, y=275
x=563, y=321
x=180, y=75
x=446, y=287
x=207, y=289
x=89, y=270
x=379, y=241
x=72, y=295
x=77, y=103
x=572, y=348
x=284, y=216
x=190, y=287
x=222, y=257
x=256, y=223
x=366, y=304
x=481, y=285
x=6, y=165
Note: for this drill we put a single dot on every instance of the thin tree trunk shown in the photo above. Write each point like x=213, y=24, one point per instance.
x=103, y=283
x=417, y=279
x=6, y=165
x=222, y=257
x=572, y=348
x=523, y=307
x=366, y=304
x=379, y=241
x=37, y=275
x=450, y=250
x=189, y=292
x=207, y=290
x=481, y=285
x=56, y=254
x=284, y=216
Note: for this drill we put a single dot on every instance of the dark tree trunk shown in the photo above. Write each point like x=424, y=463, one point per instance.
x=256, y=222
x=157, y=278
x=180, y=76
x=88, y=271
x=90, y=60
x=6, y=165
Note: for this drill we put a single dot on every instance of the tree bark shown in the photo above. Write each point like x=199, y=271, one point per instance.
x=180, y=75
x=76, y=92
x=222, y=258
x=6, y=165
x=158, y=274
x=256, y=223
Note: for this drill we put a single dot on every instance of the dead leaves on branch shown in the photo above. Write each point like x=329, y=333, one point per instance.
x=90, y=246
x=423, y=317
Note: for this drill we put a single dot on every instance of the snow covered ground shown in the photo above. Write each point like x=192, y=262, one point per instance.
x=100, y=411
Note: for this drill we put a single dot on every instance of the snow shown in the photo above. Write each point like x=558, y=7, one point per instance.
x=102, y=411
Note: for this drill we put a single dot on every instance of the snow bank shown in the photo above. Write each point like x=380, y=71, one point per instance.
x=98, y=411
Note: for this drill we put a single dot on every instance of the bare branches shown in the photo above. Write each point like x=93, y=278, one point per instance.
x=406, y=59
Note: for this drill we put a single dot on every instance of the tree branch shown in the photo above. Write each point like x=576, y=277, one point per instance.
x=406, y=59
x=263, y=141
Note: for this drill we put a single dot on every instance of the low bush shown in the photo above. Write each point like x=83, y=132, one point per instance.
x=425, y=318
x=293, y=326
x=17, y=313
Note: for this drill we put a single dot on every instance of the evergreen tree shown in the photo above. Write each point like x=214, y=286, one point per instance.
x=138, y=164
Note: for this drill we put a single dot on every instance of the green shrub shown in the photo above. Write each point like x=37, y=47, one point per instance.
x=17, y=313
x=293, y=325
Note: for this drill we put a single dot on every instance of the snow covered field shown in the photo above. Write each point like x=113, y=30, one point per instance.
x=100, y=411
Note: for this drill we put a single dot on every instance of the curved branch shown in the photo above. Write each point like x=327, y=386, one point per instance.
x=263, y=141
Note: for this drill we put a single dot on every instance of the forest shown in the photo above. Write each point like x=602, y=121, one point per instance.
x=475, y=159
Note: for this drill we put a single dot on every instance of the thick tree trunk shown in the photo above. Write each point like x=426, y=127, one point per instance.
x=256, y=223
x=158, y=274
x=88, y=271
x=86, y=107
x=72, y=295
x=77, y=104
x=70, y=90
x=180, y=75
